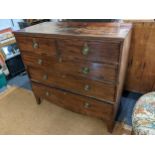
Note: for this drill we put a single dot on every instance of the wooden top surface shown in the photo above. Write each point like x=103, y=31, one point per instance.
x=79, y=29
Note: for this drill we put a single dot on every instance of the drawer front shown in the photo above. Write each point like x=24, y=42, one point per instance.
x=37, y=45
x=89, y=51
x=76, y=103
x=94, y=71
x=72, y=49
x=83, y=86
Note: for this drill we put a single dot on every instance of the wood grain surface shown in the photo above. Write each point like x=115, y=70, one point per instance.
x=85, y=61
x=78, y=29
x=141, y=68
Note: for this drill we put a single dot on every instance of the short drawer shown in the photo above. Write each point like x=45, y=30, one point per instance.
x=95, y=89
x=90, y=70
x=37, y=45
x=89, y=50
x=76, y=103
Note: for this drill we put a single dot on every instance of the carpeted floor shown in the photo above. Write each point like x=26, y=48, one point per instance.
x=127, y=103
x=19, y=114
x=21, y=80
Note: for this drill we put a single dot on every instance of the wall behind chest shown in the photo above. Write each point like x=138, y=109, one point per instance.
x=141, y=68
x=6, y=23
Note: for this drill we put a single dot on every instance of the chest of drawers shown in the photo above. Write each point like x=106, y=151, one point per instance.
x=79, y=66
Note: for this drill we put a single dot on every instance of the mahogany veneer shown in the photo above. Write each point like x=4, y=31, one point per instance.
x=79, y=66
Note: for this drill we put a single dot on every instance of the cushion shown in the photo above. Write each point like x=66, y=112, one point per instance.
x=143, y=118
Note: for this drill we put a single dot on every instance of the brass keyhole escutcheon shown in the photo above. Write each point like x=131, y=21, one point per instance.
x=40, y=61
x=45, y=77
x=60, y=59
x=35, y=45
x=47, y=93
x=87, y=87
x=85, y=70
x=85, y=49
x=87, y=105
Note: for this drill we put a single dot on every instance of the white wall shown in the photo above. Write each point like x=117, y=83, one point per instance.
x=6, y=23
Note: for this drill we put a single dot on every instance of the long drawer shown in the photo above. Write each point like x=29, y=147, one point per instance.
x=94, y=71
x=100, y=90
x=76, y=103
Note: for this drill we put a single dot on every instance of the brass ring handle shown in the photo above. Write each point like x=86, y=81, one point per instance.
x=87, y=87
x=85, y=70
x=35, y=45
x=85, y=49
x=40, y=61
x=45, y=77
x=87, y=105
x=47, y=93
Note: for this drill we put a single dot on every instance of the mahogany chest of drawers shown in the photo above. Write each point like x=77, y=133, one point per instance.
x=79, y=66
